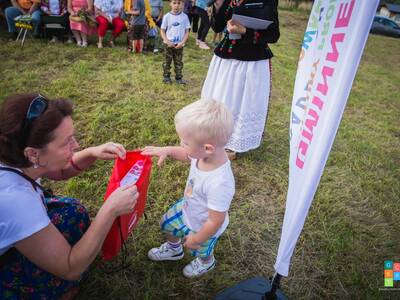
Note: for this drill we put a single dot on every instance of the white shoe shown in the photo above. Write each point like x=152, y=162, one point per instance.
x=54, y=39
x=198, y=42
x=197, y=268
x=84, y=45
x=166, y=252
x=79, y=43
x=203, y=45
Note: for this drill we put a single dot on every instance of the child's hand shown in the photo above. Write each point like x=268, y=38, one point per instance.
x=189, y=242
x=169, y=44
x=161, y=152
x=180, y=45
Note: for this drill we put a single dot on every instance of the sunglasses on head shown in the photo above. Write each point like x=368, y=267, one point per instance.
x=36, y=108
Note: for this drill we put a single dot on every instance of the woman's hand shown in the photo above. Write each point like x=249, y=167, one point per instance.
x=189, y=242
x=123, y=200
x=235, y=27
x=109, y=151
x=161, y=152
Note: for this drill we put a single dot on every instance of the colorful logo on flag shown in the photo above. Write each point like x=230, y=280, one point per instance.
x=391, y=272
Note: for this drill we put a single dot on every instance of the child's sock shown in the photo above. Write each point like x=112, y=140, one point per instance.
x=174, y=246
x=208, y=261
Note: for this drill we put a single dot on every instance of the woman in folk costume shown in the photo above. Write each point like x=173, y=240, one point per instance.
x=239, y=74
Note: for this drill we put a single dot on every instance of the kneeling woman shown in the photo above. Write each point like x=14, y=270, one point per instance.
x=47, y=242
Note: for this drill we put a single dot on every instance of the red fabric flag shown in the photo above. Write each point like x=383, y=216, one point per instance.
x=134, y=167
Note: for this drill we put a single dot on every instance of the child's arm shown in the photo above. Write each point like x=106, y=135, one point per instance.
x=178, y=153
x=210, y=227
x=185, y=38
x=165, y=40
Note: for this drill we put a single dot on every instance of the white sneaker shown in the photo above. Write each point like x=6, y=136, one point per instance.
x=203, y=45
x=197, y=268
x=54, y=39
x=198, y=42
x=84, y=44
x=166, y=252
x=79, y=43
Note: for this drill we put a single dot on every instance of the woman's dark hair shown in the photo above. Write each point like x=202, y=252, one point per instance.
x=40, y=132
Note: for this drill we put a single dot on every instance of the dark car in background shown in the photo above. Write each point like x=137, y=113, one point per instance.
x=385, y=26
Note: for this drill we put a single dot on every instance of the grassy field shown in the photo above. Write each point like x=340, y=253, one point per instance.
x=353, y=224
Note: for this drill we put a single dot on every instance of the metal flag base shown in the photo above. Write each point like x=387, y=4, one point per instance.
x=251, y=289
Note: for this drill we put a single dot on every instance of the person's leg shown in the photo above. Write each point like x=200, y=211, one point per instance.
x=22, y=279
x=77, y=36
x=84, y=39
x=102, y=26
x=178, y=64
x=119, y=26
x=204, y=261
x=140, y=45
x=11, y=13
x=204, y=25
x=195, y=24
x=173, y=226
x=167, y=65
x=36, y=21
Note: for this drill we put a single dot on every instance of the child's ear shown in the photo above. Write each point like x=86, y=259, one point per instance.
x=209, y=148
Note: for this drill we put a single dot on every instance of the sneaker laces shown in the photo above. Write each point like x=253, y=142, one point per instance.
x=197, y=264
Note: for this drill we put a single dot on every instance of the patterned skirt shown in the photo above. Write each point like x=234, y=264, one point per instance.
x=21, y=279
x=244, y=87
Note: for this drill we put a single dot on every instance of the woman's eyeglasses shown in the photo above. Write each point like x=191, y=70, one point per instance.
x=37, y=107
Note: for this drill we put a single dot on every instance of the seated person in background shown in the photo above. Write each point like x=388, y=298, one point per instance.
x=55, y=12
x=201, y=215
x=108, y=15
x=23, y=7
x=81, y=30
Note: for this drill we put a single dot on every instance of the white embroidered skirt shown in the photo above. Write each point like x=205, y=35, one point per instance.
x=244, y=87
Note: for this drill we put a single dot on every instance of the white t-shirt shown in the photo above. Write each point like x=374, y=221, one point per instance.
x=207, y=190
x=175, y=26
x=22, y=212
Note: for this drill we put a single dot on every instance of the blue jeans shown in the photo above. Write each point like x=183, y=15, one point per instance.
x=13, y=12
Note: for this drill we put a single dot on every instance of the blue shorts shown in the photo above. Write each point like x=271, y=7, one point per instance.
x=172, y=223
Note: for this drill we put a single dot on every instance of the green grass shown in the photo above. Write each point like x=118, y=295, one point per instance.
x=353, y=224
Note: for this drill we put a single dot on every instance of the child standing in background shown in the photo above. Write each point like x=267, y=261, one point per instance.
x=174, y=32
x=137, y=25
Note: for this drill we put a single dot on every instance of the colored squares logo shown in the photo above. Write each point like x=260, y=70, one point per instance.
x=388, y=282
x=396, y=267
x=388, y=264
x=396, y=276
x=388, y=273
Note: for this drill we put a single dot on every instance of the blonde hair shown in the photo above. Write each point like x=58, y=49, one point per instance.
x=208, y=121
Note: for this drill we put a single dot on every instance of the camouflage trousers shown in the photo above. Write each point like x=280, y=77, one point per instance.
x=176, y=55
